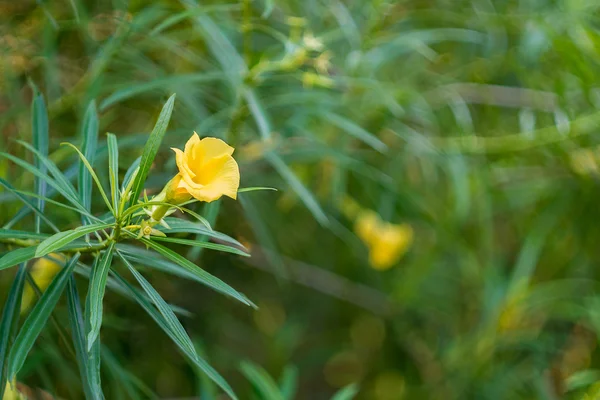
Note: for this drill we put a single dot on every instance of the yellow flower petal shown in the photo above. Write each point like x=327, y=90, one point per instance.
x=386, y=242
x=207, y=170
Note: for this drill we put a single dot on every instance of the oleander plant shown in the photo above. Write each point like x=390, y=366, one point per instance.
x=433, y=233
x=207, y=171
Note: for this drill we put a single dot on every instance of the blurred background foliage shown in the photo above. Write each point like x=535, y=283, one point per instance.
x=436, y=226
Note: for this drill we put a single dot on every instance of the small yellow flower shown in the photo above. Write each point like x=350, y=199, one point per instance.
x=311, y=42
x=11, y=392
x=386, y=242
x=207, y=170
x=43, y=272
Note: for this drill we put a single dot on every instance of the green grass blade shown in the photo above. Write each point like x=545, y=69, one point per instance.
x=39, y=125
x=113, y=168
x=205, y=245
x=169, y=323
x=17, y=256
x=78, y=332
x=151, y=148
x=89, y=134
x=37, y=319
x=346, y=393
x=9, y=322
x=261, y=380
x=27, y=203
x=95, y=295
x=203, y=276
x=62, y=239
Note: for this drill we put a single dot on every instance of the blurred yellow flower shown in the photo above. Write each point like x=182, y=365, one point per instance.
x=43, y=272
x=387, y=242
x=207, y=170
x=11, y=392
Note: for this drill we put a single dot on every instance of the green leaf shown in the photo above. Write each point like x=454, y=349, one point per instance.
x=346, y=393
x=356, y=131
x=93, y=348
x=289, y=382
x=177, y=225
x=78, y=332
x=27, y=203
x=151, y=148
x=13, y=234
x=257, y=111
x=113, y=168
x=36, y=172
x=89, y=133
x=61, y=239
x=89, y=168
x=37, y=319
x=261, y=380
x=17, y=256
x=61, y=180
x=95, y=295
x=305, y=195
x=255, y=188
x=9, y=322
x=130, y=171
x=161, y=83
x=171, y=325
x=206, y=245
x=203, y=276
x=39, y=125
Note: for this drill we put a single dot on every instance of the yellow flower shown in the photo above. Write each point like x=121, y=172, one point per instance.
x=207, y=170
x=11, y=392
x=387, y=242
x=43, y=272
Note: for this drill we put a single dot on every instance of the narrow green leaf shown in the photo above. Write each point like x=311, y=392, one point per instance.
x=173, y=328
x=130, y=171
x=61, y=239
x=203, y=276
x=177, y=225
x=261, y=380
x=93, y=348
x=113, y=168
x=89, y=168
x=95, y=295
x=89, y=134
x=288, y=384
x=39, y=125
x=305, y=195
x=27, y=203
x=206, y=245
x=346, y=393
x=14, y=234
x=9, y=322
x=259, y=114
x=356, y=131
x=37, y=319
x=255, y=188
x=61, y=180
x=17, y=256
x=78, y=332
x=151, y=148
